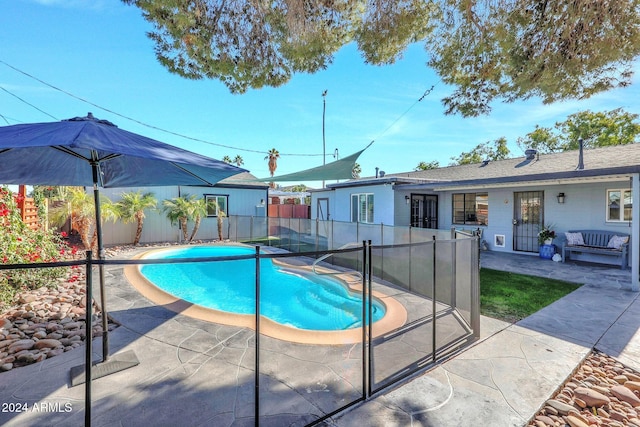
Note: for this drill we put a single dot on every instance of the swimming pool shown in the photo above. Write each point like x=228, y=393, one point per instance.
x=294, y=298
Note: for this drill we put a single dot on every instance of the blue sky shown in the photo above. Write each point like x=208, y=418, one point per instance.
x=98, y=51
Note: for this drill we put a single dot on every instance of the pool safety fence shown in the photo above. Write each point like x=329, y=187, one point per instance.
x=433, y=274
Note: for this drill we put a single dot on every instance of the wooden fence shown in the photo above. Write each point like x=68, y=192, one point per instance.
x=28, y=208
x=289, y=211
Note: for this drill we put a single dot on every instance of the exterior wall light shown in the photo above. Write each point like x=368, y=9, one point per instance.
x=561, y=198
x=407, y=199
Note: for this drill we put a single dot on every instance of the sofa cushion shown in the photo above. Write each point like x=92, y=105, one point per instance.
x=574, y=238
x=616, y=242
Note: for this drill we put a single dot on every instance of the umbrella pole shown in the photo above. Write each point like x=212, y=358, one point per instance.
x=101, y=256
x=122, y=361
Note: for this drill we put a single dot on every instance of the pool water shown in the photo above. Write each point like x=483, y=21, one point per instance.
x=290, y=297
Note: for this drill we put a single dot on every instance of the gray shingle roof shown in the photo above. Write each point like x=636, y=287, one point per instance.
x=607, y=161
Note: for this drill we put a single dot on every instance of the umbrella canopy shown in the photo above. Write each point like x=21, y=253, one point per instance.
x=85, y=151
x=61, y=153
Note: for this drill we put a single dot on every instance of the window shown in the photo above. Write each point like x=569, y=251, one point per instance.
x=471, y=208
x=362, y=208
x=220, y=204
x=619, y=204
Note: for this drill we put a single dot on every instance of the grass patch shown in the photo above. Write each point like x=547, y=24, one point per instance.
x=511, y=296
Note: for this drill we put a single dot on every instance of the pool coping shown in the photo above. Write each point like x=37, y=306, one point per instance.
x=395, y=317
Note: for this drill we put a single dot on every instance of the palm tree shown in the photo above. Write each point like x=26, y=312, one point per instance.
x=238, y=160
x=227, y=159
x=187, y=208
x=80, y=207
x=221, y=216
x=200, y=208
x=132, y=206
x=355, y=172
x=272, y=156
x=178, y=211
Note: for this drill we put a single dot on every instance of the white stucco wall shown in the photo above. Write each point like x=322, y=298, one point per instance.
x=584, y=207
x=241, y=201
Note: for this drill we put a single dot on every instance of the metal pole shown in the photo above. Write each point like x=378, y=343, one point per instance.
x=382, y=251
x=317, y=234
x=475, y=290
x=410, y=258
x=88, y=362
x=369, y=269
x=365, y=327
x=257, y=365
x=101, y=256
x=433, y=302
x=324, y=108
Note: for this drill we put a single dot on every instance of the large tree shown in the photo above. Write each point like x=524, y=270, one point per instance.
x=599, y=129
x=423, y=166
x=486, y=49
x=484, y=151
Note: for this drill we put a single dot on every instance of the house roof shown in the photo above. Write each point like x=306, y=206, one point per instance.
x=242, y=180
x=600, y=163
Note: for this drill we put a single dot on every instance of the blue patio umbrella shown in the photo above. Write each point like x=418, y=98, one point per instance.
x=85, y=151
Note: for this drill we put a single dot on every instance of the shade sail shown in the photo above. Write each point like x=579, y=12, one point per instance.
x=340, y=169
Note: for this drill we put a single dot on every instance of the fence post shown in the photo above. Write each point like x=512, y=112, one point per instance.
x=382, y=251
x=257, y=350
x=454, y=277
x=366, y=382
x=433, y=301
x=317, y=234
x=475, y=289
x=332, y=237
x=410, y=258
x=88, y=358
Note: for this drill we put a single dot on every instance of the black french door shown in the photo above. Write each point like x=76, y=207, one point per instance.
x=424, y=211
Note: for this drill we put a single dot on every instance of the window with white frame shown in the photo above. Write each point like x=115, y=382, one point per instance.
x=619, y=204
x=220, y=204
x=362, y=207
x=471, y=208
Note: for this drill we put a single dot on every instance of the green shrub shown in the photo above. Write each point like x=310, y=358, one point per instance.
x=21, y=245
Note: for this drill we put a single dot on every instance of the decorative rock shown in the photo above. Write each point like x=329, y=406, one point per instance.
x=597, y=377
x=621, y=379
x=32, y=330
x=625, y=395
x=545, y=420
x=73, y=325
x=55, y=352
x=561, y=407
x=27, y=357
x=574, y=421
x=47, y=343
x=21, y=345
x=591, y=397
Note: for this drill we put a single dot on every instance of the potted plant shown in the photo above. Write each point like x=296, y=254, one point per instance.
x=546, y=235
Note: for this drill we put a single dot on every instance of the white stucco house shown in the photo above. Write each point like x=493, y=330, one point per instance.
x=508, y=200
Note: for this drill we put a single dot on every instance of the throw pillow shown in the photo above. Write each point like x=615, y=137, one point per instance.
x=574, y=238
x=617, y=241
